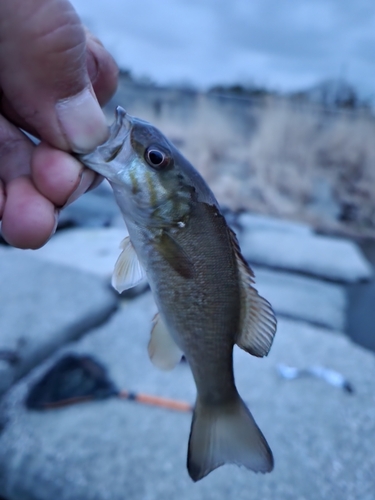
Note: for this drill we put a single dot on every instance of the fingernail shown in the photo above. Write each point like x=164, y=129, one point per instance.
x=57, y=213
x=87, y=177
x=82, y=121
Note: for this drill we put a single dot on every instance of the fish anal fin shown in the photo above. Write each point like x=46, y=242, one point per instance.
x=258, y=322
x=226, y=434
x=163, y=351
x=128, y=271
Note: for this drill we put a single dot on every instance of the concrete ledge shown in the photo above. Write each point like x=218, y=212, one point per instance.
x=303, y=298
x=91, y=250
x=320, y=256
x=44, y=306
x=322, y=437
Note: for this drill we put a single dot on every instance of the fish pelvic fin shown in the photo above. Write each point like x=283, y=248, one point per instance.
x=258, y=322
x=128, y=271
x=163, y=351
x=223, y=434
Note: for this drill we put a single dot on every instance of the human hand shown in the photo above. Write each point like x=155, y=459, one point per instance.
x=51, y=69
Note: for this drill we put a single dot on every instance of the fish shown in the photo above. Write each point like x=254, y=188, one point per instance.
x=201, y=284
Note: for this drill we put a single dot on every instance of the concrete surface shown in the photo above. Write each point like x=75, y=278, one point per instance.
x=96, y=250
x=320, y=256
x=92, y=250
x=44, y=306
x=303, y=298
x=256, y=222
x=322, y=437
x=96, y=208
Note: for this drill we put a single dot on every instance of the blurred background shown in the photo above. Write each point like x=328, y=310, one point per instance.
x=278, y=98
x=286, y=47
x=274, y=104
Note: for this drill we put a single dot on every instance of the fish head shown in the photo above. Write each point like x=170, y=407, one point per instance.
x=153, y=183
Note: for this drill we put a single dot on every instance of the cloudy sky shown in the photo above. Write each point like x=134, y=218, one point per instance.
x=285, y=45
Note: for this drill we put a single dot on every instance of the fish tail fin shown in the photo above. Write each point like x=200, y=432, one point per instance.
x=226, y=434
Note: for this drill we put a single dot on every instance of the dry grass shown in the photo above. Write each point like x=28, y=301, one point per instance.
x=297, y=162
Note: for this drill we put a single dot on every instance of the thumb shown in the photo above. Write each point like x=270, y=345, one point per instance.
x=44, y=74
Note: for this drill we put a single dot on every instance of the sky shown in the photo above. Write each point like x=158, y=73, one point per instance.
x=285, y=45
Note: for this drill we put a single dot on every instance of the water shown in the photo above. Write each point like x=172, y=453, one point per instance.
x=361, y=310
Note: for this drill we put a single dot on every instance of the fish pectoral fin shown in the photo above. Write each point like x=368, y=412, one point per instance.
x=223, y=434
x=163, y=351
x=175, y=255
x=128, y=270
x=258, y=322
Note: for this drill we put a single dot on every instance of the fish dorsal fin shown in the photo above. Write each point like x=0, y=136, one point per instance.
x=258, y=322
x=128, y=271
x=162, y=349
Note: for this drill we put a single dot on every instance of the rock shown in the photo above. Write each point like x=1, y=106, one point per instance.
x=303, y=298
x=321, y=256
x=93, y=250
x=44, y=306
x=322, y=437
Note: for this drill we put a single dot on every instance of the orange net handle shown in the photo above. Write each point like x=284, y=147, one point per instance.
x=171, y=404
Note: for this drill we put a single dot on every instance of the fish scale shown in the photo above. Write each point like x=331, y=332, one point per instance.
x=205, y=316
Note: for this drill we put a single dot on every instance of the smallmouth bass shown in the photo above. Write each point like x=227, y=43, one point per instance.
x=201, y=284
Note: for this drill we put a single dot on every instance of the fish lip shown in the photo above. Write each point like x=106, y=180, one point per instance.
x=123, y=121
x=118, y=133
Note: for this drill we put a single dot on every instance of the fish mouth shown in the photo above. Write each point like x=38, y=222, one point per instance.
x=99, y=159
x=119, y=129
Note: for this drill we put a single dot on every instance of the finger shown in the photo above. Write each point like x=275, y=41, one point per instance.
x=102, y=69
x=44, y=74
x=29, y=219
x=58, y=176
x=15, y=151
x=103, y=73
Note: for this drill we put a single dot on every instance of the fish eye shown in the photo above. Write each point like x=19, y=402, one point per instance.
x=157, y=158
